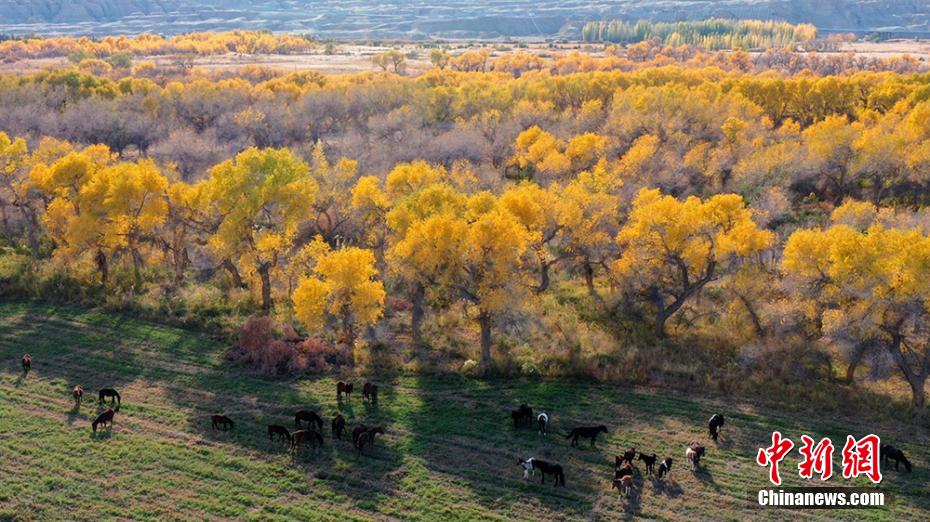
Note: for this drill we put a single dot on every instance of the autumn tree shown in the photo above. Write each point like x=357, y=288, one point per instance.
x=16, y=192
x=671, y=249
x=439, y=58
x=259, y=199
x=342, y=285
x=874, y=287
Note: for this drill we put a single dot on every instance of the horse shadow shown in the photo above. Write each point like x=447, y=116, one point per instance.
x=101, y=435
x=73, y=414
x=668, y=488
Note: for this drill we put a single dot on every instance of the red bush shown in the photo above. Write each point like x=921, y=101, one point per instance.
x=261, y=345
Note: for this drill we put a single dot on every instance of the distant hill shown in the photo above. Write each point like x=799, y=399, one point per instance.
x=422, y=19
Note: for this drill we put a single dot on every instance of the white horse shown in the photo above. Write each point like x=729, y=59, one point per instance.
x=528, y=468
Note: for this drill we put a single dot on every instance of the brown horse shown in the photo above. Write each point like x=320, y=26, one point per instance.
x=279, y=431
x=370, y=392
x=341, y=388
x=105, y=418
x=366, y=439
x=78, y=394
x=693, y=453
x=27, y=364
x=112, y=394
x=310, y=436
x=310, y=417
x=221, y=422
x=624, y=485
x=338, y=426
x=356, y=432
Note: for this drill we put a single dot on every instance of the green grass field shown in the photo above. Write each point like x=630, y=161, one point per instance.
x=450, y=452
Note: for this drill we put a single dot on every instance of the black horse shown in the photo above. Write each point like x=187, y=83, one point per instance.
x=370, y=392
x=890, y=452
x=629, y=456
x=310, y=417
x=343, y=388
x=714, y=424
x=546, y=468
x=650, y=461
x=585, y=432
x=665, y=467
x=522, y=415
x=112, y=394
x=221, y=422
x=338, y=426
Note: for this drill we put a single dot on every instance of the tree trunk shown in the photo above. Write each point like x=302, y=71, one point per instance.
x=544, y=277
x=854, y=360
x=264, y=272
x=101, y=260
x=233, y=272
x=417, y=312
x=484, y=365
x=589, y=279
x=916, y=379
x=917, y=391
x=756, y=321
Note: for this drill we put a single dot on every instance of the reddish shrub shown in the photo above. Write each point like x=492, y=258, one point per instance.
x=398, y=304
x=262, y=346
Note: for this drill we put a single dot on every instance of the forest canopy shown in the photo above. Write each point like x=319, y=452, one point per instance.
x=712, y=34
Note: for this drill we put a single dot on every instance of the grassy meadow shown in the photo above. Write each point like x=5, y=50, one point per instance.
x=450, y=452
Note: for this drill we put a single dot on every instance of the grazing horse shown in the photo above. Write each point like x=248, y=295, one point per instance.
x=522, y=415
x=622, y=470
x=112, y=394
x=542, y=420
x=78, y=394
x=356, y=432
x=370, y=392
x=310, y=417
x=105, y=418
x=530, y=466
x=310, y=436
x=624, y=485
x=27, y=363
x=693, y=453
x=221, y=422
x=665, y=467
x=650, y=461
x=281, y=432
x=714, y=424
x=338, y=426
x=629, y=456
x=890, y=452
x=586, y=432
x=341, y=388
x=367, y=438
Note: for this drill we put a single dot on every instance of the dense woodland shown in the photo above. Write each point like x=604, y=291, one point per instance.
x=690, y=221
x=713, y=33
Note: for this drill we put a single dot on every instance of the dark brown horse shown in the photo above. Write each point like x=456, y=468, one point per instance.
x=338, y=426
x=310, y=417
x=341, y=388
x=306, y=436
x=629, y=456
x=112, y=394
x=522, y=415
x=586, y=432
x=370, y=392
x=366, y=439
x=650, y=461
x=27, y=364
x=221, y=422
x=105, y=418
x=78, y=394
x=279, y=431
x=356, y=432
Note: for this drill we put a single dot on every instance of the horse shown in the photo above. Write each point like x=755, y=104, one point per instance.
x=586, y=432
x=623, y=470
x=280, y=431
x=629, y=456
x=112, y=394
x=310, y=417
x=27, y=363
x=370, y=392
x=693, y=453
x=665, y=467
x=105, y=418
x=522, y=415
x=546, y=468
x=78, y=394
x=542, y=420
x=890, y=452
x=356, y=432
x=367, y=438
x=650, y=461
x=311, y=436
x=221, y=422
x=338, y=426
x=714, y=424
x=623, y=485
x=341, y=388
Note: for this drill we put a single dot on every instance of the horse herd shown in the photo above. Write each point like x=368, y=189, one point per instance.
x=364, y=436
x=623, y=465
x=312, y=435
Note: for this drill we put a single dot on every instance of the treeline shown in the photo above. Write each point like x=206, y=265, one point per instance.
x=244, y=42
x=712, y=34
x=759, y=227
